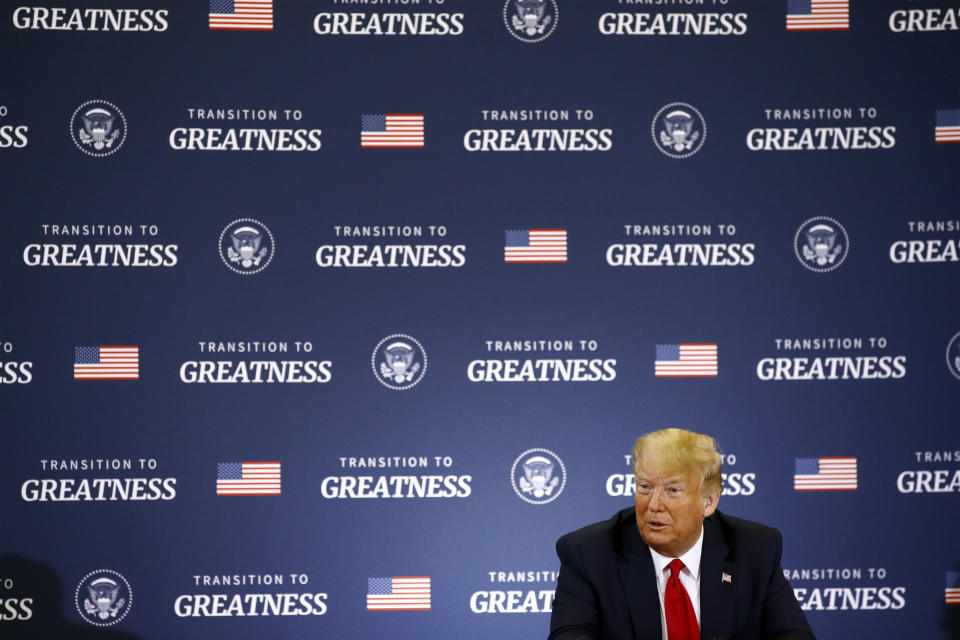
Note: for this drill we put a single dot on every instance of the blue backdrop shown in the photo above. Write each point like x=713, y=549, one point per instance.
x=777, y=179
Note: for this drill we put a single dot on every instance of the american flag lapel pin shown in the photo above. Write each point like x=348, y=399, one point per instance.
x=726, y=577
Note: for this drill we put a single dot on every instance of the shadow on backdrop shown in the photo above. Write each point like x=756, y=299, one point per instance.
x=41, y=585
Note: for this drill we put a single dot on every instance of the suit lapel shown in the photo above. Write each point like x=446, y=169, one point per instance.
x=716, y=594
x=635, y=567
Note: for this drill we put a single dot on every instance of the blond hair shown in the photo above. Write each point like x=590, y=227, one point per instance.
x=683, y=451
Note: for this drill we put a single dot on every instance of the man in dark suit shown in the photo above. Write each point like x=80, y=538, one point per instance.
x=714, y=576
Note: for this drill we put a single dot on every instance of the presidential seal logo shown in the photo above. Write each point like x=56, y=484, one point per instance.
x=953, y=355
x=678, y=130
x=399, y=361
x=98, y=128
x=103, y=597
x=246, y=246
x=530, y=20
x=821, y=244
x=538, y=476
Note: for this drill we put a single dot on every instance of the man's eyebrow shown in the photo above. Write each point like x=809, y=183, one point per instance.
x=679, y=479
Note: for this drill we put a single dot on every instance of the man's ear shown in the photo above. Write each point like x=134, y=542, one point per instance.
x=710, y=501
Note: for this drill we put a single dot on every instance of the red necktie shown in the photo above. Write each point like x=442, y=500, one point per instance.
x=681, y=620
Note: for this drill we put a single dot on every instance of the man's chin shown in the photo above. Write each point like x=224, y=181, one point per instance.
x=656, y=538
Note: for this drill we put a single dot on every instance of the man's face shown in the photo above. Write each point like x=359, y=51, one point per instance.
x=670, y=508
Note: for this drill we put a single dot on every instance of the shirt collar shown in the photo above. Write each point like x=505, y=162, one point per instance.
x=690, y=559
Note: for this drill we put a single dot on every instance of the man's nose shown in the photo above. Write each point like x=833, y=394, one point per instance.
x=656, y=500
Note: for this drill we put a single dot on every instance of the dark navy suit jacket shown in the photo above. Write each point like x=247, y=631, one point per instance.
x=607, y=589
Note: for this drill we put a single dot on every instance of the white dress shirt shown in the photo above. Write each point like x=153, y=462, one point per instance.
x=689, y=578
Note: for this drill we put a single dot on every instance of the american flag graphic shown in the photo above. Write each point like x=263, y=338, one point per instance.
x=952, y=592
x=407, y=593
x=948, y=125
x=825, y=474
x=232, y=15
x=106, y=363
x=818, y=15
x=535, y=245
x=248, y=478
x=686, y=361
x=391, y=130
